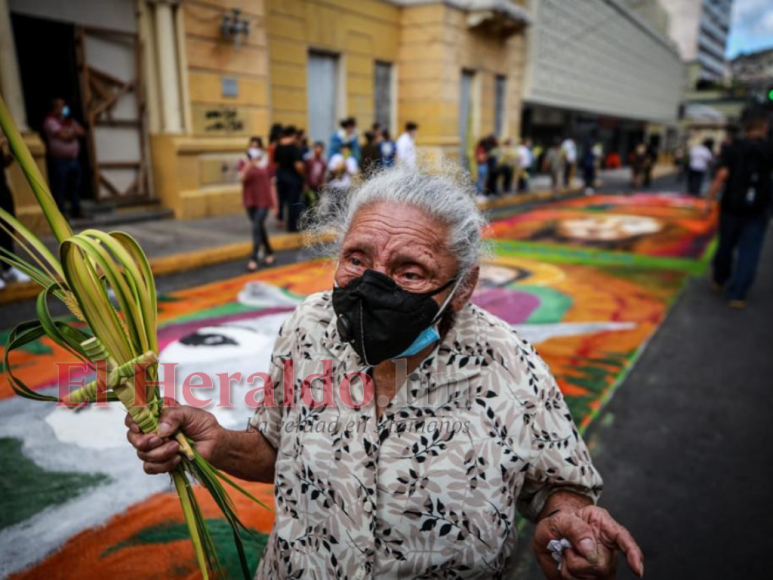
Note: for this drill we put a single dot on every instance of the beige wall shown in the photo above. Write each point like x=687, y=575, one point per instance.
x=211, y=59
x=361, y=32
x=435, y=47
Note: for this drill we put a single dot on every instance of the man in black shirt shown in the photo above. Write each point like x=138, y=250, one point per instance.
x=746, y=172
x=289, y=177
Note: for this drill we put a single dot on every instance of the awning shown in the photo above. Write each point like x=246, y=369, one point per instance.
x=500, y=17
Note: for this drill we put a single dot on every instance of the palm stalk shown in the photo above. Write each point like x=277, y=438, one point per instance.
x=122, y=339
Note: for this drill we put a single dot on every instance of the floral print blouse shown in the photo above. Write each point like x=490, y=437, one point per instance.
x=430, y=488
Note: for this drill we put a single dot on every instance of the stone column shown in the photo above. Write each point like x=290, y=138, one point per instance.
x=166, y=47
x=10, y=81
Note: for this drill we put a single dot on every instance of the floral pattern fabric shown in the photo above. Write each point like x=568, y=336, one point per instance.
x=430, y=488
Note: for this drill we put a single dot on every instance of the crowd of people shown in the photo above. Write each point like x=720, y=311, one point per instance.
x=288, y=175
x=508, y=168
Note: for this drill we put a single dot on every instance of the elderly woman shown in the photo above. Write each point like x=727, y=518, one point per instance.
x=402, y=426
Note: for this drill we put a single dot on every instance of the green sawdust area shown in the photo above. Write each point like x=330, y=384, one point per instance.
x=222, y=536
x=27, y=489
x=587, y=256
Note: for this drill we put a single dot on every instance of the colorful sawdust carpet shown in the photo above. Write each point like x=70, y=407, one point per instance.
x=587, y=280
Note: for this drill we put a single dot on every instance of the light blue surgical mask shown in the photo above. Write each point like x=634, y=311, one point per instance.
x=430, y=334
x=427, y=337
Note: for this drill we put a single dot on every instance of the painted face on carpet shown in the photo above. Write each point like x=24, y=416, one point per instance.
x=671, y=227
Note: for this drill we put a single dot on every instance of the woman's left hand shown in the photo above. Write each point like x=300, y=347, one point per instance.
x=595, y=537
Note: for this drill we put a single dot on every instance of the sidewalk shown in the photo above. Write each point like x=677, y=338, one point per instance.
x=174, y=246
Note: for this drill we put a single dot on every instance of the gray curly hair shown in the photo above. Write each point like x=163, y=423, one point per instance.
x=447, y=195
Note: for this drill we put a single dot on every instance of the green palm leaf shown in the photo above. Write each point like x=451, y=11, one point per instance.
x=91, y=265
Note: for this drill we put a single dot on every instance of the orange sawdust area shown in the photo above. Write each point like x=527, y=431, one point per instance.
x=596, y=319
x=98, y=553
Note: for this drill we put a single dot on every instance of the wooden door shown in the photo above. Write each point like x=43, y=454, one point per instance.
x=114, y=108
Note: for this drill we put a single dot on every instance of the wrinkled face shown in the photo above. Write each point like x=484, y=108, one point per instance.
x=402, y=242
x=607, y=228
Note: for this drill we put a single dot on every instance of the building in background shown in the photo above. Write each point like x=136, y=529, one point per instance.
x=600, y=69
x=170, y=90
x=753, y=69
x=700, y=29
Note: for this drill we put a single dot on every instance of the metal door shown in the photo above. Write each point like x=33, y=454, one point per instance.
x=322, y=91
x=383, y=94
x=114, y=108
x=465, y=118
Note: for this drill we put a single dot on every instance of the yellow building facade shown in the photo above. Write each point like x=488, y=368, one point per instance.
x=212, y=73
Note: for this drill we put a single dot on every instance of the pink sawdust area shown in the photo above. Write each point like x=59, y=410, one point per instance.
x=588, y=281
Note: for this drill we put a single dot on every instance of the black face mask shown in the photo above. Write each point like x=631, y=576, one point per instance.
x=380, y=319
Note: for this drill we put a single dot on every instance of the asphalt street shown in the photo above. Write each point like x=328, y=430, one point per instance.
x=686, y=445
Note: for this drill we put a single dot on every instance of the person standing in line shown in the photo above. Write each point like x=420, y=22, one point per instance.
x=343, y=167
x=525, y=162
x=493, y=166
x=481, y=161
x=62, y=136
x=388, y=149
x=7, y=272
x=588, y=165
x=273, y=140
x=639, y=162
x=347, y=134
x=598, y=155
x=700, y=160
x=569, y=150
x=555, y=163
x=255, y=174
x=652, y=160
x=680, y=162
x=289, y=176
x=745, y=176
x=371, y=153
x=303, y=144
x=316, y=169
x=508, y=165
x=406, y=145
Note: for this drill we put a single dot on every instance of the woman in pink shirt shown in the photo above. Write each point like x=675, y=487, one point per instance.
x=255, y=173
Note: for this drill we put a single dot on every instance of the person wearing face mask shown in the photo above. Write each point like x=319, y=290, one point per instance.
x=401, y=425
x=255, y=174
x=63, y=134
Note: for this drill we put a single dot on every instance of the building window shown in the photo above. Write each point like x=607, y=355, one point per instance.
x=500, y=83
x=383, y=94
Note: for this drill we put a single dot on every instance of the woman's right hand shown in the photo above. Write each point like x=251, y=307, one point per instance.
x=161, y=454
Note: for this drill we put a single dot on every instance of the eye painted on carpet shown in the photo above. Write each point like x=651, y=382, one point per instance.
x=207, y=339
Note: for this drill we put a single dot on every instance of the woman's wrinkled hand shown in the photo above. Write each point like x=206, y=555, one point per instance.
x=595, y=537
x=159, y=453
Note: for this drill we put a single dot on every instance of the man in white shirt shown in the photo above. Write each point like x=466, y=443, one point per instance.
x=569, y=151
x=525, y=161
x=406, y=145
x=700, y=160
